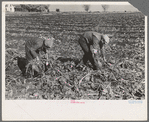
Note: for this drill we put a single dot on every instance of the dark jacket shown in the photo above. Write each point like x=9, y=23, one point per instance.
x=92, y=43
x=33, y=46
x=94, y=39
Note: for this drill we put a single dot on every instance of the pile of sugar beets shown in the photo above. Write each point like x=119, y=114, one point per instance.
x=61, y=78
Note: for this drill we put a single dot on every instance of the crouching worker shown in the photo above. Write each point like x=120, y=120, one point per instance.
x=33, y=49
x=92, y=45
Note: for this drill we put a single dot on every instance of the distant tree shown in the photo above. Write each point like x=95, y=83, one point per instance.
x=36, y=8
x=25, y=7
x=29, y=7
x=105, y=7
x=86, y=7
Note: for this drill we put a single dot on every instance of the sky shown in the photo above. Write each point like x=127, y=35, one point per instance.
x=93, y=8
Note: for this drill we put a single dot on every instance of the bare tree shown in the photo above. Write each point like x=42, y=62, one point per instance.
x=105, y=7
x=86, y=7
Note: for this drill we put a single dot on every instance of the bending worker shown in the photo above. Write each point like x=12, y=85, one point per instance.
x=34, y=47
x=92, y=45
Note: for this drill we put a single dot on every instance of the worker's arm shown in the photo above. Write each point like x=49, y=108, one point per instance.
x=102, y=51
x=36, y=47
x=94, y=47
x=33, y=52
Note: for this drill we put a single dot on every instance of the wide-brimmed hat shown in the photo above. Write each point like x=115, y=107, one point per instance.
x=106, y=38
x=49, y=42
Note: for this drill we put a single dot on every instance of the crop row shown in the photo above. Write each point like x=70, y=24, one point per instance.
x=120, y=23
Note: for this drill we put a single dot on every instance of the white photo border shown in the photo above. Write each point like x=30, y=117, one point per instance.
x=64, y=109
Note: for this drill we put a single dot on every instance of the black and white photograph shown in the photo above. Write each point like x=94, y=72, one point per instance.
x=78, y=52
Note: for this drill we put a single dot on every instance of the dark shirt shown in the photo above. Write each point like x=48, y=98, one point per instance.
x=94, y=39
x=32, y=47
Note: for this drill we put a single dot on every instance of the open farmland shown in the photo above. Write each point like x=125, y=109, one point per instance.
x=63, y=80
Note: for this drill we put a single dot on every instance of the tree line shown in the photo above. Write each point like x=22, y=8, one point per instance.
x=35, y=8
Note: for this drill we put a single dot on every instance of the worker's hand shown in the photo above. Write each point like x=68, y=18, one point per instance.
x=94, y=51
x=38, y=60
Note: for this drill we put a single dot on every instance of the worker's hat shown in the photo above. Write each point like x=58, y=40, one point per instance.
x=49, y=42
